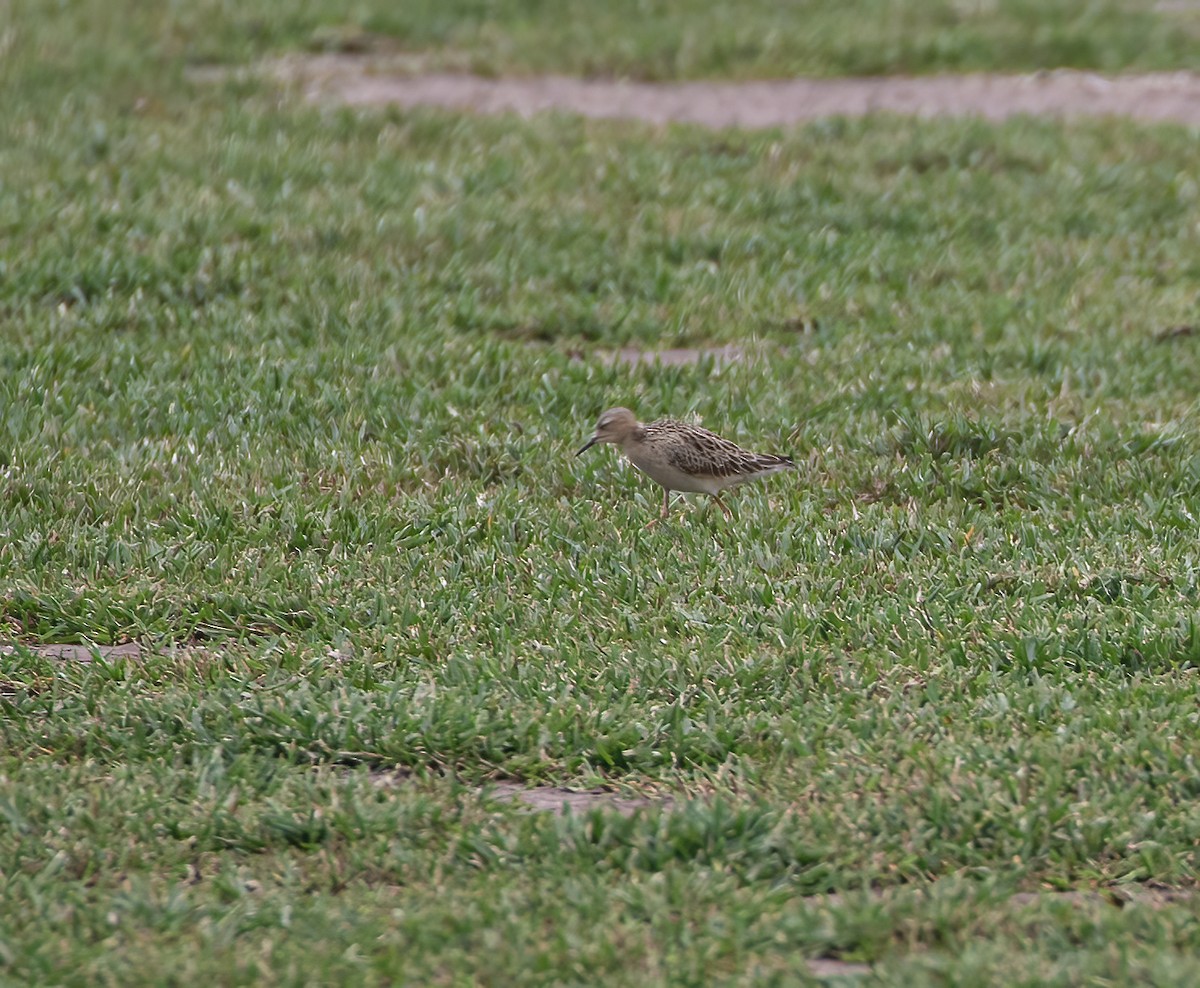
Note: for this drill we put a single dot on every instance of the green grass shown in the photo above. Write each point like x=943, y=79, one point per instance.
x=650, y=39
x=292, y=395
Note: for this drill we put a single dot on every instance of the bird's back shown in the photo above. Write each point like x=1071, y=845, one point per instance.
x=687, y=457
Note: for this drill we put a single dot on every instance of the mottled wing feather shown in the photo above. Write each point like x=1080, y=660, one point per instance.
x=707, y=454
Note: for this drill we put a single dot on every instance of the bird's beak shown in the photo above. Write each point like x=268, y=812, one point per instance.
x=590, y=443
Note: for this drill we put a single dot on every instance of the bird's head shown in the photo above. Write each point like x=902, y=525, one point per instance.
x=615, y=426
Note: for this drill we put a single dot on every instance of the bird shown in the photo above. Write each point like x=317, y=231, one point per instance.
x=683, y=457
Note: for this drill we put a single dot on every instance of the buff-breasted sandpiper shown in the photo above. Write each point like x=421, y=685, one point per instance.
x=683, y=457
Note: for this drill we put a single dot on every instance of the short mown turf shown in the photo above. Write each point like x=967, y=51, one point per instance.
x=290, y=395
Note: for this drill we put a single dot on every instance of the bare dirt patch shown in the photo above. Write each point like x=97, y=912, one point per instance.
x=542, y=799
x=675, y=357
x=552, y=799
x=824, y=968
x=78, y=653
x=1117, y=895
x=374, y=81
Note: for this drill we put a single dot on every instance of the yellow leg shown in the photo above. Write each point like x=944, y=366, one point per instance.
x=666, y=498
x=724, y=507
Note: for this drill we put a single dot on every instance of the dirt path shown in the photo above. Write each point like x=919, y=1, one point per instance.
x=363, y=81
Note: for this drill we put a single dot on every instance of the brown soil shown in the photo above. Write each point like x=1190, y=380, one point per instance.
x=77, y=653
x=676, y=357
x=369, y=81
x=552, y=799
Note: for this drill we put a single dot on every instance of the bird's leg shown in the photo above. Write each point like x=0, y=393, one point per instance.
x=666, y=498
x=724, y=507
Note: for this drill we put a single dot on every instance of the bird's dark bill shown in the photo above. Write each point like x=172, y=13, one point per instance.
x=590, y=443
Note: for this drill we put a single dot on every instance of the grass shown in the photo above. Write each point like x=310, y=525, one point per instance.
x=647, y=39
x=290, y=396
